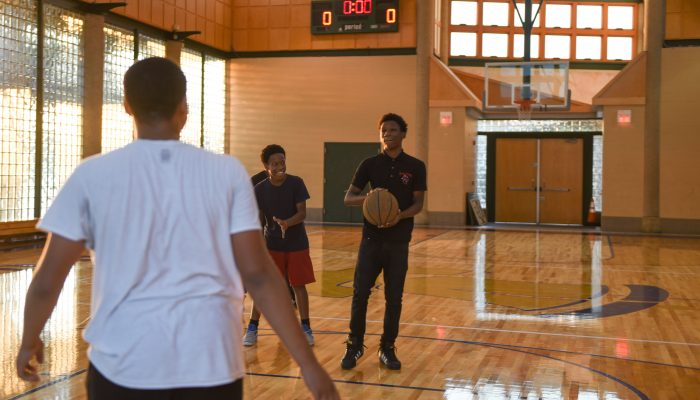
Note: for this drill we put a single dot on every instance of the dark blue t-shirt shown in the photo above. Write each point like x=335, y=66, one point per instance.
x=281, y=202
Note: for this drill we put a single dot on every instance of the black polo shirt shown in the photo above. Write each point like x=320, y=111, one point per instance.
x=402, y=176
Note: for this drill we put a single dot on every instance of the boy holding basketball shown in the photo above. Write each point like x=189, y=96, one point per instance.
x=174, y=236
x=282, y=202
x=384, y=248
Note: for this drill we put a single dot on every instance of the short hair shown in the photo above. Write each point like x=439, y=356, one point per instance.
x=270, y=150
x=403, y=126
x=154, y=87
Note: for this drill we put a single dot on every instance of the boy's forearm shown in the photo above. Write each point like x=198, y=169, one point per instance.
x=296, y=219
x=37, y=309
x=56, y=260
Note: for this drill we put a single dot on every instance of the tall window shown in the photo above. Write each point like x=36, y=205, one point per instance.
x=601, y=31
x=191, y=64
x=150, y=47
x=18, y=84
x=206, y=100
x=117, y=127
x=42, y=100
x=62, y=128
x=215, y=107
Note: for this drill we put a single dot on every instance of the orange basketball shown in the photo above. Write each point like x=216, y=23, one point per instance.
x=380, y=207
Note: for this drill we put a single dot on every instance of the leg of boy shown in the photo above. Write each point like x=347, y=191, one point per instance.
x=301, y=272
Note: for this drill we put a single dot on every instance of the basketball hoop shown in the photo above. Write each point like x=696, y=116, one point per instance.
x=525, y=109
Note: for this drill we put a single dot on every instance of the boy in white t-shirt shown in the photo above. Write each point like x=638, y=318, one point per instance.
x=174, y=235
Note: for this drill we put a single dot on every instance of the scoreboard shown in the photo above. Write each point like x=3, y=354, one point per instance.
x=354, y=16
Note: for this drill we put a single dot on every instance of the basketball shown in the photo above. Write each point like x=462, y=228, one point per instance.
x=380, y=207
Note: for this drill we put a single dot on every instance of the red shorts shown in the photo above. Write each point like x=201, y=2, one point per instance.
x=295, y=265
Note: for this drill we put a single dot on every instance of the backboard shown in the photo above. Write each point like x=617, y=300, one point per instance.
x=537, y=85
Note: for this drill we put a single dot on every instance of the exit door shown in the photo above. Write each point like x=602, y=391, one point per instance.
x=340, y=160
x=539, y=180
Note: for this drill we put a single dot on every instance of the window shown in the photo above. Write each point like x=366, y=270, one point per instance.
x=620, y=17
x=590, y=17
x=557, y=16
x=464, y=13
x=18, y=111
x=206, y=79
x=117, y=127
x=463, y=44
x=495, y=14
x=557, y=46
x=215, y=95
x=588, y=47
x=619, y=48
x=191, y=64
x=601, y=31
x=62, y=128
x=495, y=45
x=150, y=47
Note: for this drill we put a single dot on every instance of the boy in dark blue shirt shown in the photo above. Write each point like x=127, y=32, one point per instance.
x=282, y=203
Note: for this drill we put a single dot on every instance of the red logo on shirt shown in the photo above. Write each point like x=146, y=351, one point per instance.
x=405, y=177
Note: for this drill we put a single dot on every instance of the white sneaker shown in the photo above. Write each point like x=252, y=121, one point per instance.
x=309, y=335
x=250, y=338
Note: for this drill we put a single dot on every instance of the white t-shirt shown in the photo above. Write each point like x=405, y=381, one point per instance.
x=167, y=295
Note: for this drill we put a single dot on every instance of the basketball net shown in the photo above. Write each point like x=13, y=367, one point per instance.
x=525, y=109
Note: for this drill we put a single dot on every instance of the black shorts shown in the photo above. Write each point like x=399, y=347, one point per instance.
x=101, y=388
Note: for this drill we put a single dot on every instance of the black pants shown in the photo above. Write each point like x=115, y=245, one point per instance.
x=101, y=388
x=373, y=257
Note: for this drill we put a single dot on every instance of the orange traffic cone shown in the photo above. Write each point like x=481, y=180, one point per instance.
x=592, y=216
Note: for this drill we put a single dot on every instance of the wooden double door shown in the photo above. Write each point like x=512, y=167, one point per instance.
x=539, y=180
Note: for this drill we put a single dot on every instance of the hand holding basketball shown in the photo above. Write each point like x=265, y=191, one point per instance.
x=381, y=208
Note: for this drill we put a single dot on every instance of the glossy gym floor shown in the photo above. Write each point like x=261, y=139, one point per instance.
x=491, y=313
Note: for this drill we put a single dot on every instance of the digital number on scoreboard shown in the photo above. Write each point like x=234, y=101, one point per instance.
x=354, y=16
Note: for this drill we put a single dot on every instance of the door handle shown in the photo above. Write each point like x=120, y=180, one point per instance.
x=555, y=189
x=520, y=189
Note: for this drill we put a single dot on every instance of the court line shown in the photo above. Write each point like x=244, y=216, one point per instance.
x=520, y=332
x=63, y=378
x=627, y=385
x=508, y=347
x=349, y=382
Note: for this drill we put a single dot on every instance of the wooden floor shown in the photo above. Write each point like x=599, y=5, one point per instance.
x=488, y=314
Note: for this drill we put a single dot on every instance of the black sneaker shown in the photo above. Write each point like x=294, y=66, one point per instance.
x=387, y=356
x=353, y=351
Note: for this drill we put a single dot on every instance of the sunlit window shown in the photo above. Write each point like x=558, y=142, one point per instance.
x=477, y=27
x=494, y=45
x=215, y=109
x=464, y=13
x=191, y=64
x=463, y=44
x=558, y=16
x=620, y=17
x=619, y=48
x=495, y=14
x=150, y=47
x=63, y=100
x=589, y=17
x=557, y=46
x=588, y=47
x=117, y=126
x=18, y=45
x=519, y=45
